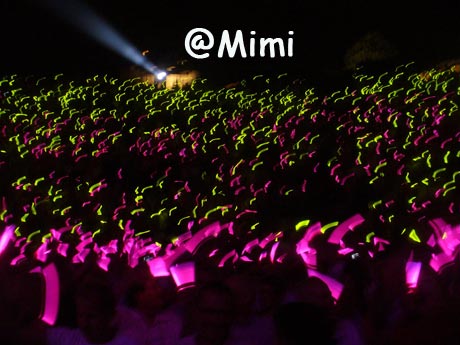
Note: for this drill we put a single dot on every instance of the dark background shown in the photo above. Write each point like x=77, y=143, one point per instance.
x=36, y=41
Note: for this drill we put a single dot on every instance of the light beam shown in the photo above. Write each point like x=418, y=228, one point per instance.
x=82, y=17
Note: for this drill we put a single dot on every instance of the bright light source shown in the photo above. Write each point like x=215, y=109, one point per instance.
x=161, y=75
x=85, y=19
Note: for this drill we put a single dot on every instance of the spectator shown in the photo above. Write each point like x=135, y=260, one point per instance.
x=96, y=319
x=151, y=315
x=300, y=323
x=214, y=314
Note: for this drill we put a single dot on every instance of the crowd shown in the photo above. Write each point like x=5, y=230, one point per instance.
x=265, y=212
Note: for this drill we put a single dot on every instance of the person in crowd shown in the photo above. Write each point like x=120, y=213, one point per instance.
x=301, y=323
x=150, y=313
x=214, y=313
x=96, y=315
x=248, y=324
x=426, y=316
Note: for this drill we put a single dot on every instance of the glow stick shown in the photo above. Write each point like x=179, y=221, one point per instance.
x=334, y=286
x=42, y=252
x=304, y=244
x=62, y=249
x=273, y=251
x=269, y=238
x=173, y=255
x=344, y=227
x=158, y=267
x=251, y=244
x=438, y=262
x=441, y=229
x=50, y=307
x=412, y=274
x=203, y=234
x=345, y=251
x=6, y=237
x=183, y=274
x=231, y=254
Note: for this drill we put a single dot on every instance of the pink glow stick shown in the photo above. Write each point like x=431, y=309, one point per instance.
x=80, y=256
x=203, y=234
x=334, y=286
x=303, y=248
x=269, y=238
x=445, y=238
x=273, y=251
x=281, y=258
x=181, y=239
x=50, y=307
x=438, y=262
x=367, y=168
x=342, y=182
x=152, y=249
x=431, y=241
x=309, y=257
x=62, y=249
x=344, y=227
x=158, y=267
x=412, y=274
x=183, y=274
x=345, y=251
x=173, y=255
x=262, y=256
x=103, y=262
x=379, y=242
x=6, y=237
x=42, y=252
x=239, y=190
x=304, y=186
x=228, y=226
x=231, y=254
x=335, y=168
x=86, y=239
x=21, y=256
x=56, y=234
x=438, y=225
x=251, y=244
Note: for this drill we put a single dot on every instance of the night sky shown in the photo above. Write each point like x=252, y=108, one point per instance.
x=36, y=41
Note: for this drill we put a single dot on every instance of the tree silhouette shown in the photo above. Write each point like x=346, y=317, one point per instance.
x=370, y=49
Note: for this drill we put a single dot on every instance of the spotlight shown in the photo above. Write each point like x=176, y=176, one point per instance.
x=161, y=75
x=83, y=18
